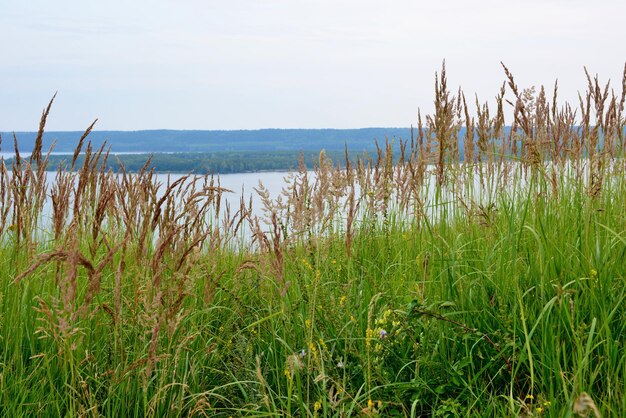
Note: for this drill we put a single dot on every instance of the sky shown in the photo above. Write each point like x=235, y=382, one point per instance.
x=243, y=64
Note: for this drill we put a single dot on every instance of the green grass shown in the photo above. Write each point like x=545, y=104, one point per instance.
x=401, y=327
x=419, y=284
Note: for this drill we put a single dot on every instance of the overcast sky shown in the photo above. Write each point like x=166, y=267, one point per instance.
x=242, y=64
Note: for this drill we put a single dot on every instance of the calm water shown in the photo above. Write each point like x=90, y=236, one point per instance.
x=242, y=185
x=238, y=183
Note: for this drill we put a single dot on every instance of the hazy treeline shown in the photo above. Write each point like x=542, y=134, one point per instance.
x=204, y=163
x=214, y=141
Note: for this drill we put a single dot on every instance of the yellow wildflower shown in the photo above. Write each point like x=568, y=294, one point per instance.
x=369, y=334
x=387, y=314
x=317, y=406
x=322, y=343
x=307, y=264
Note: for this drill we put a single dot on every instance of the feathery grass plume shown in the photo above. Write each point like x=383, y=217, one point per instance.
x=35, y=156
x=420, y=133
x=584, y=406
x=95, y=277
x=621, y=120
x=520, y=114
x=468, y=140
x=79, y=146
x=5, y=195
x=443, y=124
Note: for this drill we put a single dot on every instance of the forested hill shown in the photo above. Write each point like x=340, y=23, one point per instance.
x=265, y=140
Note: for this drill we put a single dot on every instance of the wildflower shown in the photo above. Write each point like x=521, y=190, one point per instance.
x=307, y=323
x=539, y=409
x=307, y=264
x=594, y=273
x=547, y=403
x=383, y=334
x=370, y=404
x=342, y=300
x=340, y=364
x=317, y=406
x=387, y=314
x=379, y=404
x=352, y=318
x=369, y=334
x=322, y=343
x=530, y=397
x=303, y=353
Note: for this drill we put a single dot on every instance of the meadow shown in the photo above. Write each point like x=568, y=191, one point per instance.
x=416, y=282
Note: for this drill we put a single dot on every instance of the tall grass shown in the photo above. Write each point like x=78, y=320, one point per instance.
x=482, y=280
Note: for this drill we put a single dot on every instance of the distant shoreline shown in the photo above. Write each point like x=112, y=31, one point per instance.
x=199, y=162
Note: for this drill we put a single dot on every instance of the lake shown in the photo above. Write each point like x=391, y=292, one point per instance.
x=241, y=184
x=238, y=182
